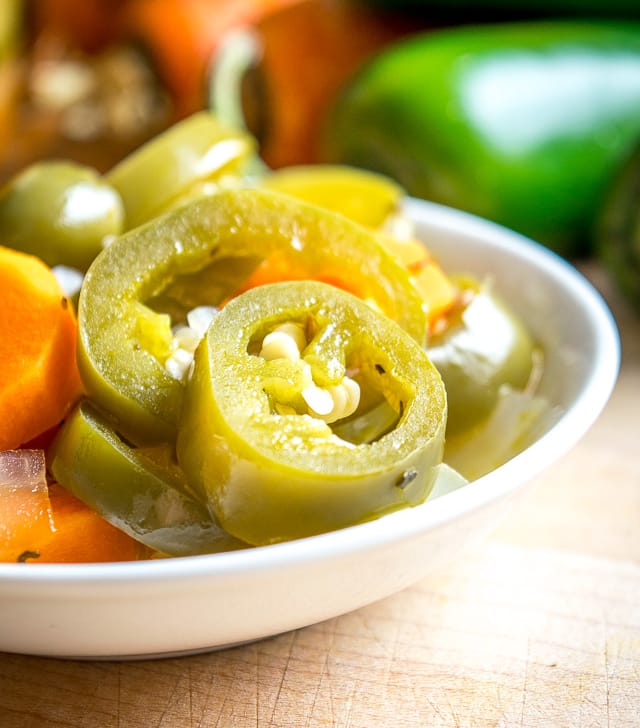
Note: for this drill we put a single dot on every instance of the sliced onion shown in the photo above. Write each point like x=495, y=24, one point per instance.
x=23, y=469
x=24, y=495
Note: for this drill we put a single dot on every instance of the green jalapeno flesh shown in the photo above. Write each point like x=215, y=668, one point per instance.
x=62, y=212
x=141, y=492
x=201, y=254
x=365, y=197
x=484, y=347
x=272, y=474
x=175, y=165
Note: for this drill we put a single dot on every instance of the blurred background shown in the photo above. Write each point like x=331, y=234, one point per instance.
x=527, y=115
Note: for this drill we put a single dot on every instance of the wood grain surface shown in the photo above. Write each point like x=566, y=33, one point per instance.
x=538, y=628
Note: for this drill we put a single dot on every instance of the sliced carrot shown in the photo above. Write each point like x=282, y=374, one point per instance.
x=437, y=290
x=81, y=535
x=43, y=440
x=39, y=379
x=47, y=524
x=277, y=269
x=56, y=527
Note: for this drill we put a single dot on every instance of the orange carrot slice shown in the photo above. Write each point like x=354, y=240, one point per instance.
x=39, y=379
x=40, y=524
x=277, y=269
x=81, y=535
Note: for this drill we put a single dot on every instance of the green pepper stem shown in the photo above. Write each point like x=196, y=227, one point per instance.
x=239, y=52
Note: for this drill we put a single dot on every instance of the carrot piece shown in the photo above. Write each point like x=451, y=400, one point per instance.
x=47, y=524
x=438, y=292
x=277, y=269
x=436, y=289
x=39, y=379
x=52, y=526
x=82, y=535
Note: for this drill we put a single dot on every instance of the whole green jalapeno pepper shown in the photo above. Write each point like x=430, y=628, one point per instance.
x=279, y=366
x=141, y=492
x=148, y=280
x=522, y=123
x=62, y=212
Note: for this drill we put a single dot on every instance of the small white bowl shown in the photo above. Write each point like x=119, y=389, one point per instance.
x=184, y=605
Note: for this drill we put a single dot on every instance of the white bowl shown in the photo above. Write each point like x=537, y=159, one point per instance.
x=183, y=605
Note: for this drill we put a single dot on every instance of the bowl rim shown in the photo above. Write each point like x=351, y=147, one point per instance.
x=557, y=441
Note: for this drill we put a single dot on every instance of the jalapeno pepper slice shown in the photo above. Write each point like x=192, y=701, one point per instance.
x=374, y=201
x=148, y=279
x=140, y=491
x=366, y=197
x=482, y=347
x=61, y=212
x=166, y=169
x=257, y=436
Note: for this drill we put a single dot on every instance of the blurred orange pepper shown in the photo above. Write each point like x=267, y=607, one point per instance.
x=306, y=52
x=181, y=36
x=89, y=25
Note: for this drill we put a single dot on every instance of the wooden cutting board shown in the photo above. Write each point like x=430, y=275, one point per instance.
x=538, y=628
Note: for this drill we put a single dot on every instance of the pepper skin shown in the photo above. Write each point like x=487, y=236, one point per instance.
x=202, y=253
x=524, y=124
x=176, y=164
x=280, y=75
x=140, y=492
x=61, y=212
x=374, y=201
x=270, y=470
x=483, y=347
x=367, y=198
